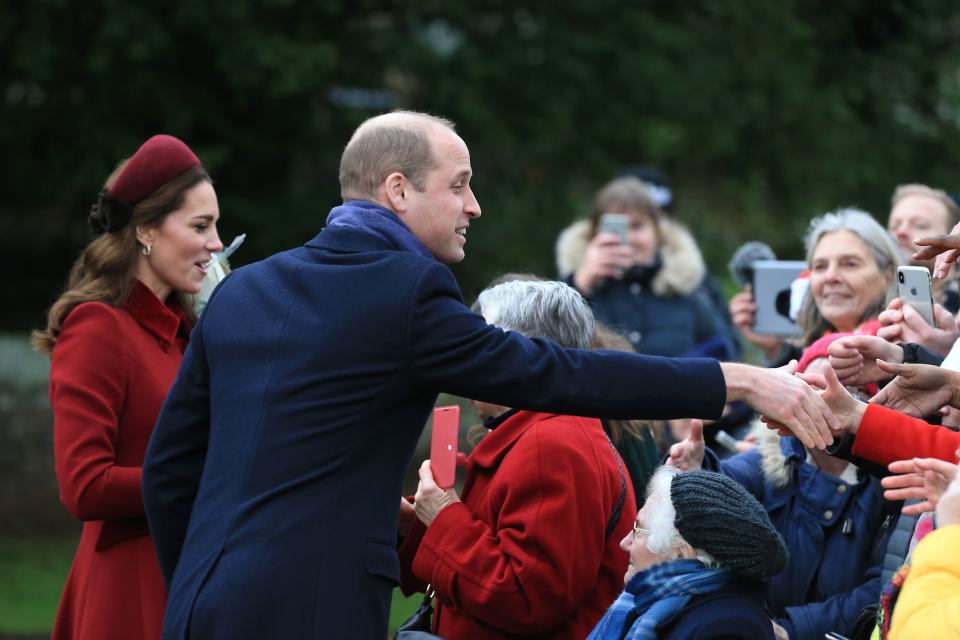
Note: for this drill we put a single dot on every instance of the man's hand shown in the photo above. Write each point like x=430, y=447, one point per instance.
x=854, y=359
x=946, y=248
x=783, y=399
x=688, y=454
x=923, y=479
x=918, y=390
x=902, y=323
x=606, y=257
x=743, y=312
x=430, y=499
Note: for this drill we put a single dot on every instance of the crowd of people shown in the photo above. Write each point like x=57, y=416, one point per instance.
x=239, y=471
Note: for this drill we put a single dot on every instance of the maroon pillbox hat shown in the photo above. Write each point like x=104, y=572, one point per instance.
x=158, y=161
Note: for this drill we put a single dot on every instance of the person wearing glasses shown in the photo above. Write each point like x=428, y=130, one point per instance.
x=700, y=551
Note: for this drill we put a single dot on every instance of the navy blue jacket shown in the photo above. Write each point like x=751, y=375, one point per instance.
x=734, y=612
x=273, y=477
x=835, y=533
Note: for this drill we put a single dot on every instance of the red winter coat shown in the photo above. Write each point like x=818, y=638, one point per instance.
x=524, y=554
x=885, y=435
x=110, y=371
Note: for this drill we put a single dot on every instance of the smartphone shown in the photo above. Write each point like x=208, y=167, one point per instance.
x=443, y=445
x=916, y=290
x=726, y=440
x=772, y=290
x=616, y=223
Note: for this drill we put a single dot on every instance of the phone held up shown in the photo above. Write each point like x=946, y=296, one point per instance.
x=443, y=445
x=616, y=223
x=916, y=289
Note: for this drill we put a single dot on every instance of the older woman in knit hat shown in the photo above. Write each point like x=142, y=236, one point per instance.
x=700, y=551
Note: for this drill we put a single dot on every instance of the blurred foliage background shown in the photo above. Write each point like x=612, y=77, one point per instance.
x=762, y=113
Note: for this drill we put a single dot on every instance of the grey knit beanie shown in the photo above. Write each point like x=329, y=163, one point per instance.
x=718, y=515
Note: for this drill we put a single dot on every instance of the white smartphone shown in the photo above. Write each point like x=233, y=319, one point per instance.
x=616, y=223
x=916, y=290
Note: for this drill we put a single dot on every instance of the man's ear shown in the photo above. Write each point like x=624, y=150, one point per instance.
x=395, y=191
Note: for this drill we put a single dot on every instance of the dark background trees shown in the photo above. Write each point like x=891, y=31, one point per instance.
x=763, y=114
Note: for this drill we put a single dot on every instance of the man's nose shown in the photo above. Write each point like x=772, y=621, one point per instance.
x=470, y=205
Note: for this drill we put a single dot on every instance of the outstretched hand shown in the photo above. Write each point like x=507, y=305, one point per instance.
x=789, y=404
x=687, y=455
x=430, y=499
x=918, y=390
x=854, y=359
x=924, y=479
x=946, y=248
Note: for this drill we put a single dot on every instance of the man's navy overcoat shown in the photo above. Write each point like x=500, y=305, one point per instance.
x=273, y=478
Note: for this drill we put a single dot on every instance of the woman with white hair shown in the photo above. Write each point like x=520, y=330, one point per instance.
x=700, y=551
x=530, y=547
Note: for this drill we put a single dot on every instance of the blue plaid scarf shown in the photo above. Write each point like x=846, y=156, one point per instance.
x=372, y=218
x=653, y=595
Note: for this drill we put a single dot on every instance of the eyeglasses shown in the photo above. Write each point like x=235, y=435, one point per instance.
x=637, y=529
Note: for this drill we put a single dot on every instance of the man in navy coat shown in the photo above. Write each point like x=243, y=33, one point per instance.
x=272, y=481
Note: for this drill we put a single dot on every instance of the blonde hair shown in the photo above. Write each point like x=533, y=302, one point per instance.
x=905, y=190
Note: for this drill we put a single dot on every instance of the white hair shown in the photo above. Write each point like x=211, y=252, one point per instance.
x=540, y=309
x=664, y=539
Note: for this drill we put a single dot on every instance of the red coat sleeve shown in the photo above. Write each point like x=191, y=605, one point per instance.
x=88, y=376
x=543, y=555
x=885, y=435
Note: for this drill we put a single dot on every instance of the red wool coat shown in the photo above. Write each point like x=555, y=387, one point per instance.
x=110, y=371
x=885, y=435
x=524, y=554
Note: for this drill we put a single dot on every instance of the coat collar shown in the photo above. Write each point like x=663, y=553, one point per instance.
x=163, y=321
x=361, y=225
x=495, y=445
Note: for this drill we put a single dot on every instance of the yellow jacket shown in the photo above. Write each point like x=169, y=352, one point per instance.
x=929, y=605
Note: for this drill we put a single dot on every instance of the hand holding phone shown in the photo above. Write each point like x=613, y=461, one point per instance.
x=443, y=445
x=617, y=224
x=916, y=289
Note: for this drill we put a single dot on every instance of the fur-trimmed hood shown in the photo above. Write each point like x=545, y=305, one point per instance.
x=683, y=267
x=777, y=468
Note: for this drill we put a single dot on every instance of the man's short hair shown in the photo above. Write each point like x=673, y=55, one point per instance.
x=388, y=143
x=953, y=210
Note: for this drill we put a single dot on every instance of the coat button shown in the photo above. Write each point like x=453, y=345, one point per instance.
x=842, y=488
x=634, y=337
x=635, y=288
x=827, y=514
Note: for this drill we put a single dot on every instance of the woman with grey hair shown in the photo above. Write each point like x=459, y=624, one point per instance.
x=700, y=551
x=530, y=547
x=852, y=262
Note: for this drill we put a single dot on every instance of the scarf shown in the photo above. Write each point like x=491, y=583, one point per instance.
x=379, y=221
x=653, y=595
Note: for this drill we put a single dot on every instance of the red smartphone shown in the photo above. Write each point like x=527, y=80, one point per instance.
x=443, y=445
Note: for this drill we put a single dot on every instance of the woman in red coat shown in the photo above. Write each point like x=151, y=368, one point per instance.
x=115, y=338
x=532, y=549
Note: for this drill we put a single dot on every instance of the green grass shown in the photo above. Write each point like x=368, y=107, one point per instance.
x=33, y=572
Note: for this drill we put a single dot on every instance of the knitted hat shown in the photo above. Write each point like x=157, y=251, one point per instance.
x=718, y=515
x=158, y=161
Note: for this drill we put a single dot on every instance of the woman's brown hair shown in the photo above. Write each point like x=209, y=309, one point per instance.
x=624, y=195
x=105, y=270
